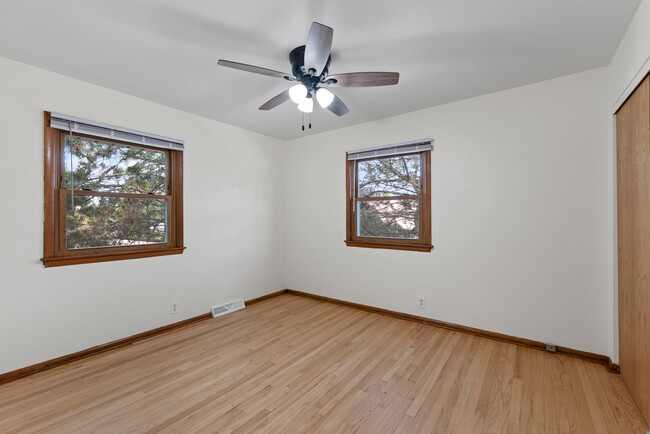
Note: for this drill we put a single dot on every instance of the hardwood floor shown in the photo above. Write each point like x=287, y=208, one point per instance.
x=293, y=364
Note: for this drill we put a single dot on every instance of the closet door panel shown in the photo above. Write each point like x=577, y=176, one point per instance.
x=633, y=192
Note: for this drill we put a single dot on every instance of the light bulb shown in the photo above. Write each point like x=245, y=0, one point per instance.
x=307, y=105
x=298, y=93
x=324, y=97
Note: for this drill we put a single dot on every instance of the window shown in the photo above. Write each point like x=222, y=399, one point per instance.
x=389, y=197
x=110, y=193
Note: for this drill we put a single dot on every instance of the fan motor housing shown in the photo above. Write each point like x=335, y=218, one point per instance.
x=297, y=59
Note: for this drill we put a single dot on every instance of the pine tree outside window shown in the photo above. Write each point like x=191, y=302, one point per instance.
x=108, y=199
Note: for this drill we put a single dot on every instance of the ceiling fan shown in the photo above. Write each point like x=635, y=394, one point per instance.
x=310, y=67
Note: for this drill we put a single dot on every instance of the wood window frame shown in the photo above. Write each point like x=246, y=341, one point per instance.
x=423, y=244
x=54, y=251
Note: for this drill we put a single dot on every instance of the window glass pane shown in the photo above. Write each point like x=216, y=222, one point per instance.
x=393, y=176
x=108, y=167
x=388, y=218
x=101, y=221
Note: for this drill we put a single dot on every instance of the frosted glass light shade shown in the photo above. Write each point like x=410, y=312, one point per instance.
x=324, y=97
x=306, y=105
x=298, y=93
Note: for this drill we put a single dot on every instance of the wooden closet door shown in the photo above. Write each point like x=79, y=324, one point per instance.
x=633, y=188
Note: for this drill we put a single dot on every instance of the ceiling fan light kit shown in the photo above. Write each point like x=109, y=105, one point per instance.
x=324, y=97
x=306, y=105
x=310, y=67
x=297, y=93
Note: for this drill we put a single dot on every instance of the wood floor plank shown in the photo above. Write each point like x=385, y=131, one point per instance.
x=293, y=364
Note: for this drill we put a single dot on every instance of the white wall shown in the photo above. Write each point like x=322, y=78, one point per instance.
x=520, y=215
x=523, y=216
x=629, y=65
x=232, y=224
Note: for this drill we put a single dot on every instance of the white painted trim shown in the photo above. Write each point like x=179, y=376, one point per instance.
x=634, y=82
x=615, y=340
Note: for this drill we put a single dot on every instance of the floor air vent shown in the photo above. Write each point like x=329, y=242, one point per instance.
x=223, y=309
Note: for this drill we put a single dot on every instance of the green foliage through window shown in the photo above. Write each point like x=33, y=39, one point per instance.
x=109, y=221
x=97, y=171
x=108, y=167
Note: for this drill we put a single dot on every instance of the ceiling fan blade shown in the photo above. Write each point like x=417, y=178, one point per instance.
x=254, y=69
x=337, y=107
x=317, y=49
x=364, y=79
x=275, y=101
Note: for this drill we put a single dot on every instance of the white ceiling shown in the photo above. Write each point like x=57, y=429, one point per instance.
x=445, y=50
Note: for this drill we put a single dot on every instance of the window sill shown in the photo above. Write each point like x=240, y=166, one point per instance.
x=387, y=245
x=71, y=260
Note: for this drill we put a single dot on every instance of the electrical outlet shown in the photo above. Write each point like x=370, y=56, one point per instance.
x=422, y=302
x=173, y=307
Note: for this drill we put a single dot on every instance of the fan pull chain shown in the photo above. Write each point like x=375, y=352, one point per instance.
x=308, y=120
